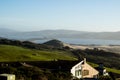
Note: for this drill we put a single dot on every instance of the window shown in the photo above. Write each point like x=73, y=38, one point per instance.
x=77, y=72
x=85, y=72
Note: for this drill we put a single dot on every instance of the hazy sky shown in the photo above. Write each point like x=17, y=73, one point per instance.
x=82, y=15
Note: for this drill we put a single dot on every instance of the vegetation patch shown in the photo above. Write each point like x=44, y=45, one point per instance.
x=14, y=53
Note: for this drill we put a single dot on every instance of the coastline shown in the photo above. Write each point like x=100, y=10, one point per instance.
x=108, y=48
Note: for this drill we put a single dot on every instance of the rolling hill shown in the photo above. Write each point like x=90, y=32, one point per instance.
x=14, y=53
x=55, y=43
x=11, y=53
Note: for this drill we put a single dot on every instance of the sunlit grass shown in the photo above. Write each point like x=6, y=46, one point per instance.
x=108, y=69
x=14, y=53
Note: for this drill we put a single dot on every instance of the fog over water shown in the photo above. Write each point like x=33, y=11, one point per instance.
x=84, y=41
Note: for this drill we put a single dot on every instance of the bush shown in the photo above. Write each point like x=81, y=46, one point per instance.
x=105, y=78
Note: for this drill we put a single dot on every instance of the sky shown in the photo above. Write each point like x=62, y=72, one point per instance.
x=81, y=15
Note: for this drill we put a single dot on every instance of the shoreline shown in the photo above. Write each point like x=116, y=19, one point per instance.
x=108, y=48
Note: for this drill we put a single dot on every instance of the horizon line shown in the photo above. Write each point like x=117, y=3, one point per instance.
x=56, y=30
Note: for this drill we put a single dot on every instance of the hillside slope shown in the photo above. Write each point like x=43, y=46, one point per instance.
x=14, y=53
x=55, y=43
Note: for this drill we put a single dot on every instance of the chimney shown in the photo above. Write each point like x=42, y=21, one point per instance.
x=101, y=65
x=84, y=60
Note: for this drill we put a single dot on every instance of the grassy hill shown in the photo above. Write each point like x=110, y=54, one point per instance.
x=108, y=69
x=10, y=53
x=55, y=43
x=14, y=53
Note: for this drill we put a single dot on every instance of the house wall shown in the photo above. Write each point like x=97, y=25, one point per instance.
x=84, y=70
x=92, y=73
x=7, y=77
x=11, y=77
x=76, y=70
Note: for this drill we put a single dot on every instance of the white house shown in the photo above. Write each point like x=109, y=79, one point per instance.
x=7, y=77
x=84, y=70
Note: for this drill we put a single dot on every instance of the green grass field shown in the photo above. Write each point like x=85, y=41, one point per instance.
x=14, y=53
x=108, y=69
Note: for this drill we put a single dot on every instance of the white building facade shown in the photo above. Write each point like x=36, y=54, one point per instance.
x=84, y=70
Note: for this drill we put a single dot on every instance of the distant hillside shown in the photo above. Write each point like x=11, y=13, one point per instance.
x=55, y=43
x=54, y=34
x=14, y=53
x=25, y=44
x=52, y=44
x=15, y=50
x=8, y=33
x=4, y=30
